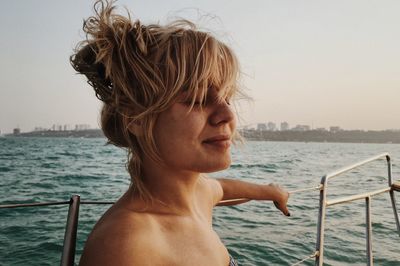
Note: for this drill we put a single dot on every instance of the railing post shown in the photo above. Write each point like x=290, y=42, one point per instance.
x=392, y=198
x=396, y=215
x=368, y=231
x=389, y=164
x=68, y=255
x=319, y=259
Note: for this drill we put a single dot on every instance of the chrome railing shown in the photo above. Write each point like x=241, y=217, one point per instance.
x=71, y=228
x=324, y=204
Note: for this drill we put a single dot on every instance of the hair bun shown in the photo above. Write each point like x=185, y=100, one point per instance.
x=85, y=62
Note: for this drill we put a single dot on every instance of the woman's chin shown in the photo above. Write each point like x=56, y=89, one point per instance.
x=219, y=165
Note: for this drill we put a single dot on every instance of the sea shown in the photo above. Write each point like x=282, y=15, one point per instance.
x=255, y=233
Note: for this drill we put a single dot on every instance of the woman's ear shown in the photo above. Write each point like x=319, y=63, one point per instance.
x=133, y=126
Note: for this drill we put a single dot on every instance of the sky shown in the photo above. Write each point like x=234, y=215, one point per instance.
x=319, y=63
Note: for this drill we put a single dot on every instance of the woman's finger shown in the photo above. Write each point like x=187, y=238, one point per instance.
x=284, y=210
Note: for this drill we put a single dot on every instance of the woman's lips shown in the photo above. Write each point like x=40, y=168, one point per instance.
x=220, y=141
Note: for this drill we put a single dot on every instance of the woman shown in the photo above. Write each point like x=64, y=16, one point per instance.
x=166, y=92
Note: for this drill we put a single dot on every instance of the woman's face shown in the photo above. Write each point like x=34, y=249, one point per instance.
x=199, y=140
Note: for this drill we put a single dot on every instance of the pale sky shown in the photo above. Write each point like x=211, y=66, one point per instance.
x=319, y=63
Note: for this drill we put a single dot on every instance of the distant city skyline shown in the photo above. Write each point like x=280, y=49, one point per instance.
x=258, y=126
x=317, y=63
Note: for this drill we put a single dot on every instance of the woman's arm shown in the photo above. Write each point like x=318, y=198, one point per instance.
x=236, y=189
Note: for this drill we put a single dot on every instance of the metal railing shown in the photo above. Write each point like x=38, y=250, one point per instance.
x=324, y=204
x=71, y=228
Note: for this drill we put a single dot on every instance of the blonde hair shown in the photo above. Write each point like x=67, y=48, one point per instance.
x=138, y=71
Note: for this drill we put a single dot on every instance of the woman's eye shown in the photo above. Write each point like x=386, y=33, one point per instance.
x=194, y=104
x=227, y=101
x=200, y=102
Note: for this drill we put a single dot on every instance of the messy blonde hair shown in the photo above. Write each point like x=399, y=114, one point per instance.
x=138, y=71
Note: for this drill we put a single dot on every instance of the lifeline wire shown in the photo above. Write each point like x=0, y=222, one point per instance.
x=306, y=189
x=316, y=253
x=242, y=200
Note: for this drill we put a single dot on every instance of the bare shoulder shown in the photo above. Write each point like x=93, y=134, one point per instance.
x=215, y=189
x=122, y=238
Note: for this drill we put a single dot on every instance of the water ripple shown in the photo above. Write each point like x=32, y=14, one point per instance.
x=35, y=169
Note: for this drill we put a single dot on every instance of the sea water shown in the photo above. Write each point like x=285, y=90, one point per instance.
x=255, y=233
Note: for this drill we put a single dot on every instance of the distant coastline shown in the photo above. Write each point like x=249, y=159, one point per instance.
x=87, y=133
x=344, y=136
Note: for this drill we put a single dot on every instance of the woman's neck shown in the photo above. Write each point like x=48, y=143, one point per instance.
x=173, y=192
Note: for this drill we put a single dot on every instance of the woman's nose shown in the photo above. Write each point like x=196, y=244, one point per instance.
x=222, y=114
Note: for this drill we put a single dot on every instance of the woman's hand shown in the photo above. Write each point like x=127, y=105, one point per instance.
x=236, y=192
x=281, y=197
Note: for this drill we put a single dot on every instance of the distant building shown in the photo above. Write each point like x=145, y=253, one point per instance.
x=82, y=127
x=301, y=128
x=284, y=126
x=261, y=126
x=40, y=129
x=271, y=126
x=320, y=129
x=16, y=131
x=56, y=127
x=67, y=127
x=335, y=129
